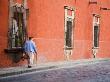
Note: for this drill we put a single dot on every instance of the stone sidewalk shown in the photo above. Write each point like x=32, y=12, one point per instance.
x=4, y=72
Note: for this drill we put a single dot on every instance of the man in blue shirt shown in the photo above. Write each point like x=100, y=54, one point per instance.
x=30, y=50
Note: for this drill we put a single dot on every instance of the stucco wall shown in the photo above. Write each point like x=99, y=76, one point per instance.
x=46, y=25
x=3, y=32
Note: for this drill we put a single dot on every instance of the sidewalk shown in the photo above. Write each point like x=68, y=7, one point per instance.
x=49, y=66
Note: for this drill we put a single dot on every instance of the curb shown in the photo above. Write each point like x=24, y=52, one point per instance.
x=26, y=71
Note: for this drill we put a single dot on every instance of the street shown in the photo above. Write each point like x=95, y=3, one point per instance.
x=96, y=72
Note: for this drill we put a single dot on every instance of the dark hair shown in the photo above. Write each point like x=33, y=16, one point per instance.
x=30, y=38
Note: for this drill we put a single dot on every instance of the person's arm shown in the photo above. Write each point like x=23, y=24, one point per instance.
x=34, y=46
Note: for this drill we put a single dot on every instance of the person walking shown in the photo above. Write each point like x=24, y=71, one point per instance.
x=30, y=50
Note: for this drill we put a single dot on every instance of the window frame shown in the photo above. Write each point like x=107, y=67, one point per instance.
x=96, y=23
x=70, y=18
x=15, y=8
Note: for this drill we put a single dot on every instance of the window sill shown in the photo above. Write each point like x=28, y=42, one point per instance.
x=68, y=48
x=95, y=47
x=13, y=50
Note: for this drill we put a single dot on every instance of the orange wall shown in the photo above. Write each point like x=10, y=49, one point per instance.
x=46, y=24
x=104, y=50
x=3, y=32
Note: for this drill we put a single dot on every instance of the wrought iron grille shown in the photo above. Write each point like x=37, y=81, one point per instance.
x=17, y=30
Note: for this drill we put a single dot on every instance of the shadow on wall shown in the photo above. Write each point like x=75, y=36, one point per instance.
x=16, y=54
x=16, y=57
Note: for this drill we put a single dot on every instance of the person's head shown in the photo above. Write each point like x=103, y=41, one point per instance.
x=30, y=38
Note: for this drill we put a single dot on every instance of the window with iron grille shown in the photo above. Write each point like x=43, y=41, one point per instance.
x=17, y=30
x=69, y=34
x=96, y=30
x=96, y=36
x=17, y=33
x=69, y=25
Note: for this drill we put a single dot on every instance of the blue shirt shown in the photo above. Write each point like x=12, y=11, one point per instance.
x=30, y=46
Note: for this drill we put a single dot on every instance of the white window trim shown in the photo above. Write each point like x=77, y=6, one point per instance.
x=95, y=24
x=69, y=17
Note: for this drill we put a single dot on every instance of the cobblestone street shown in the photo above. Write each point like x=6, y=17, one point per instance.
x=88, y=72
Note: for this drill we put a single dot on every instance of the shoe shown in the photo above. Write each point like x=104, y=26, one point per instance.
x=29, y=66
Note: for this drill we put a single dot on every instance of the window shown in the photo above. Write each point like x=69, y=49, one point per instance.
x=69, y=25
x=69, y=34
x=17, y=29
x=95, y=31
x=96, y=36
x=17, y=33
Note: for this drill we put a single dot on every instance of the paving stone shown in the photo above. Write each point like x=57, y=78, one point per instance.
x=86, y=71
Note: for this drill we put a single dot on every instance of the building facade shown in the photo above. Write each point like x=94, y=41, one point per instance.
x=62, y=29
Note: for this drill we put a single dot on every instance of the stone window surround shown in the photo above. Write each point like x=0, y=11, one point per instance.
x=95, y=23
x=68, y=50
